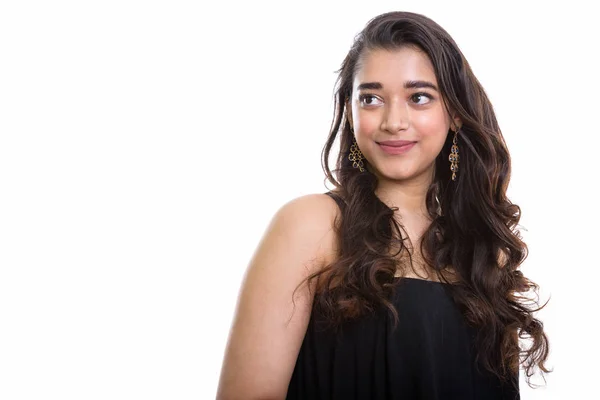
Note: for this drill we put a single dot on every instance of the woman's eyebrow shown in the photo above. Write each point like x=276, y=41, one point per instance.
x=420, y=84
x=407, y=85
x=370, y=85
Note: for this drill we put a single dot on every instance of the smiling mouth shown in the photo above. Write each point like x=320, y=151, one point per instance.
x=396, y=143
x=396, y=148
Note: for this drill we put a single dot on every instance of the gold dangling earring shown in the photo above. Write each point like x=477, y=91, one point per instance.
x=355, y=155
x=453, y=158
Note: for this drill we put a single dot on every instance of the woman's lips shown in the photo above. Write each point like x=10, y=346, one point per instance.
x=396, y=147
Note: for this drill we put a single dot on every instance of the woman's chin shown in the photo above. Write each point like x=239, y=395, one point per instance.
x=400, y=174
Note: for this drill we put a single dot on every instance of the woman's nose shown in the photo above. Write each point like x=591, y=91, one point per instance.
x=396, y=118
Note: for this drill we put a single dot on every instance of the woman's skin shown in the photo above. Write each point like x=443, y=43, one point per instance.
x=267, y=331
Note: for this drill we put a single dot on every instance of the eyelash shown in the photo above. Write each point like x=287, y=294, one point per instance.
x=362, y=97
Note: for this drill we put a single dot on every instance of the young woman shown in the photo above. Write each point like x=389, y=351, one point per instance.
x=403, y=281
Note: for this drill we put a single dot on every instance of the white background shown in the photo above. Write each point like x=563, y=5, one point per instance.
x=145, y=146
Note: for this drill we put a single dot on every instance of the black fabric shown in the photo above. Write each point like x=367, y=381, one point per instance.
x=430, y=355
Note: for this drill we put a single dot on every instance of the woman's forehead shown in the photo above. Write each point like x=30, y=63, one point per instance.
x=392, y=68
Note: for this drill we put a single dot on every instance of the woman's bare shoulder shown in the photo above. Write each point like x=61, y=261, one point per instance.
x=317, y=208
x=313, y=215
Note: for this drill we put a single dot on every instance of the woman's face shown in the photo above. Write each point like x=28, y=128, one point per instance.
x=395, y=98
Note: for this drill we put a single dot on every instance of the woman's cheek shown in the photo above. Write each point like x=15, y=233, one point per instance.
x=368, y=126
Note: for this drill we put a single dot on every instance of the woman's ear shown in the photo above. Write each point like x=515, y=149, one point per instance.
x=457, y=123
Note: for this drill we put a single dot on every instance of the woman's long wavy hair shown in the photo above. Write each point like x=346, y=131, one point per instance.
x=474, y=225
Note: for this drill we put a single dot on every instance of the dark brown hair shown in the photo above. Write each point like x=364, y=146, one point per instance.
x=474, y=225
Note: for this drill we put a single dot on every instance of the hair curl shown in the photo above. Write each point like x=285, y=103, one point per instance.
x=474, y=225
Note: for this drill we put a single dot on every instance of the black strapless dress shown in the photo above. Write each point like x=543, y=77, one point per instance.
x=429, y=355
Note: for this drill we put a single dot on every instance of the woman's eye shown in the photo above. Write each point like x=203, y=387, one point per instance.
x=418, y=97
x=367, y=99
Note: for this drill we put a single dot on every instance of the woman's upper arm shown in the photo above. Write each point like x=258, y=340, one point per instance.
x=267, y=331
